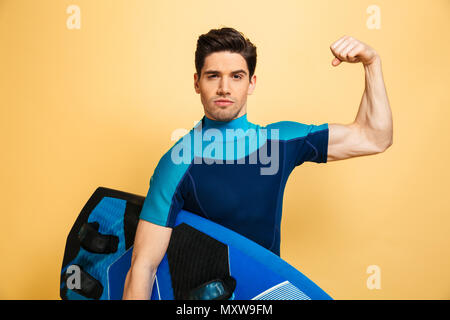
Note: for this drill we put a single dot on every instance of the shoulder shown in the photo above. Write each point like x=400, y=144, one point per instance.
x=288, y=130
x=175, y=161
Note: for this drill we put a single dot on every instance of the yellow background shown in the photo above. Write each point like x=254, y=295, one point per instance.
x=97, y=106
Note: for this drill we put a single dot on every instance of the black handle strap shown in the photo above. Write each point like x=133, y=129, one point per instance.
x=89, y=287
x=95, y=242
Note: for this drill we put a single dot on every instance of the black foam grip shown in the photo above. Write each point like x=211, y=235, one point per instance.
x=194, y=260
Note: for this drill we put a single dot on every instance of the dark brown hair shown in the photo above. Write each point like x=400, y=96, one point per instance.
x=225, y=39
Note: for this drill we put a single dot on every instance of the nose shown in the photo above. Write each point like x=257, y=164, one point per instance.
x=224, y=87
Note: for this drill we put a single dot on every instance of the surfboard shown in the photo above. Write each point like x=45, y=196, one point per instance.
x=204, y=260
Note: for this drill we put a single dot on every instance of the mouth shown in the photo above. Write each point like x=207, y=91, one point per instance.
x=223, y=102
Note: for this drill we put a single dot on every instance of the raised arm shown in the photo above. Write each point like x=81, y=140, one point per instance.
x=150, y=245
x=372, y=130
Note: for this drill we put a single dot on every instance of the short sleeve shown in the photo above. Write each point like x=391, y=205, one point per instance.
x=165, y=194
x=302, y=142
x=315, y=146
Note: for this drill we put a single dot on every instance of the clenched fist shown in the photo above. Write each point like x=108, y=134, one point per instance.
x=351, y=50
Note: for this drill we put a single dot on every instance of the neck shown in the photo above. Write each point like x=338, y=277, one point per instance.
x=238, y=123
x=228, y=129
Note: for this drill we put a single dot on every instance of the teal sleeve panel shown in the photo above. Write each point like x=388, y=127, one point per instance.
x=165, y=196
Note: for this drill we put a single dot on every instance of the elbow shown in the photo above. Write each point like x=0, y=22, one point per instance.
x=141, y=271
x=384, y=141
x=389, y=144
x=390, y=141
x=142, y=268
x=379, y=140
x=385, y=146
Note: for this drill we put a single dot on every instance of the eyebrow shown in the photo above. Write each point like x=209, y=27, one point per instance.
x=218, y=72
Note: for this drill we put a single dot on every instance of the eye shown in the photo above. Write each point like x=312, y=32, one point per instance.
x=238, y=76
x=214, y=75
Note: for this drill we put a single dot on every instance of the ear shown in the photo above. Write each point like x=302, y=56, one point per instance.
x=196, y=86
x=252, y=85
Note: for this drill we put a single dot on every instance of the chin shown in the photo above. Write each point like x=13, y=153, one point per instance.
x=224, y=114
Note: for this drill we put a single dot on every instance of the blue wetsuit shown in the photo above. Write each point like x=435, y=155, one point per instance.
x=212, y=172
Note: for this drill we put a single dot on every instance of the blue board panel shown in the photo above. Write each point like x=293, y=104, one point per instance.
x=258, y=272
x=109, y=214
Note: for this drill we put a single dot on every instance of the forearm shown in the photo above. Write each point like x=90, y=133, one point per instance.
x=374, y=114
x=138, y=284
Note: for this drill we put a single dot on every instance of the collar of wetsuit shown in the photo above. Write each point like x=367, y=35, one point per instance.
x=238, y=123
x=226, y=127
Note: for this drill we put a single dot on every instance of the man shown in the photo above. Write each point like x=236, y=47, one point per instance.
x=222, y=183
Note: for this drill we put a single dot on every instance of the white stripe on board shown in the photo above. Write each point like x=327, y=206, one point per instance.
x=282, y=291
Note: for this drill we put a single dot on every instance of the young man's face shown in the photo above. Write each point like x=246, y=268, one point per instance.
x=225, y=76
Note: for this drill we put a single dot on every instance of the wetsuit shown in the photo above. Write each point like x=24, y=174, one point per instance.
x=233, y=173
